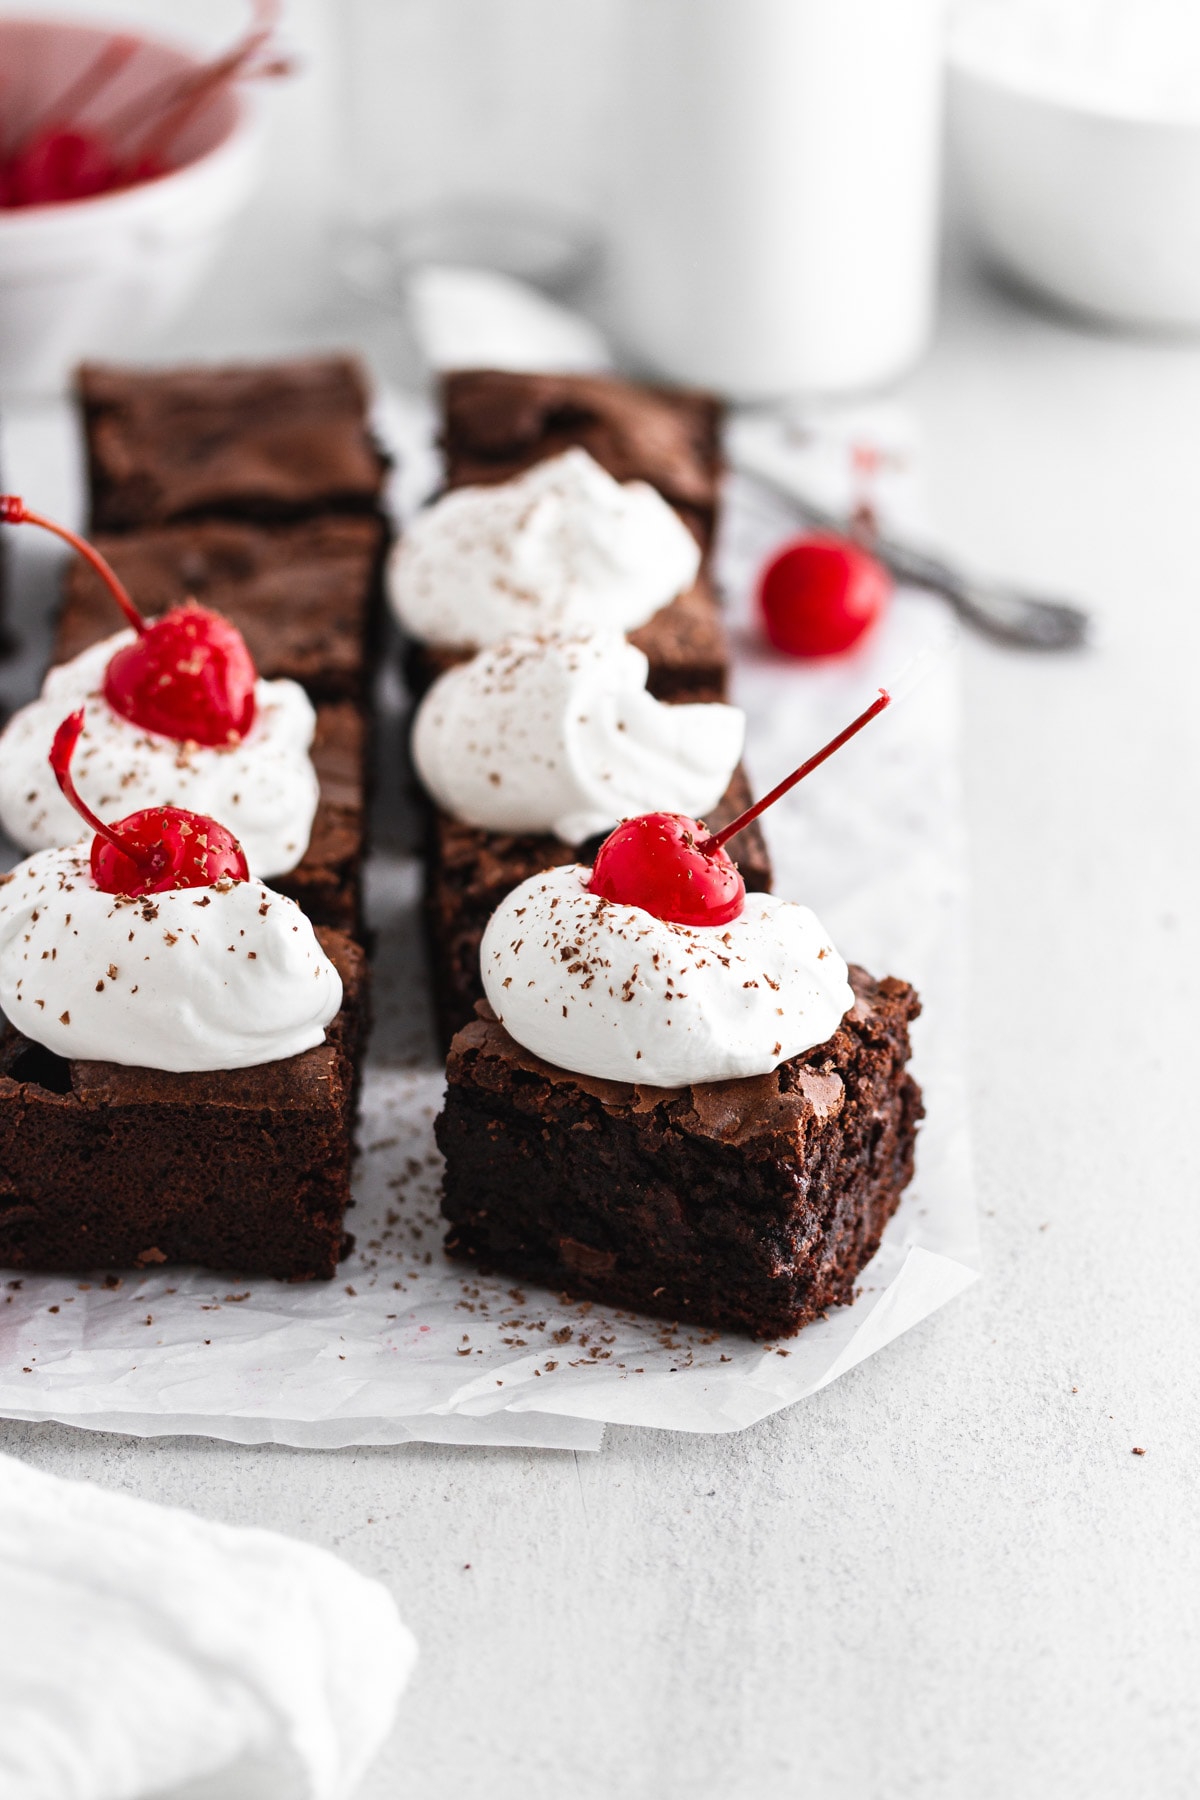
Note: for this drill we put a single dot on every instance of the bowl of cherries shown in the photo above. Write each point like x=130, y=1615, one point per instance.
x=122, y=160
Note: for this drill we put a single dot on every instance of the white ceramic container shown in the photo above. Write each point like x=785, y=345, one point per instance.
x=775, y=229
x=1096, y=208
x=101, y=276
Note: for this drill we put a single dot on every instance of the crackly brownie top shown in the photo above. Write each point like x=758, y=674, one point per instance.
x=497, y=422
x=755, y=1110
x=299, y=592
x=268, y=440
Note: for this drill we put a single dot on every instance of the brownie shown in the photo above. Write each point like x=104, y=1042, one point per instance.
x=497, y=423
x=327, y=882
x=108, y=1167
x=685, y=644
x=468, y=872
x=263, y=441
x=750, y=1204
x=305, y=596
x=328, y=879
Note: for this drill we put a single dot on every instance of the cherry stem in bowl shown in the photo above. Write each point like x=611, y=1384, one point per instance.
x=716, y=839
x=61, y=752
x=13, y=511
x=66, y=110
x=181, y=96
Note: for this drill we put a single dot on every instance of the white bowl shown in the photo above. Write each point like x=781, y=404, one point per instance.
x=100, y=276
x=1097, y=209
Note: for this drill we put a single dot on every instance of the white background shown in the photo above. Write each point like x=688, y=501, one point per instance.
x=946, y=1576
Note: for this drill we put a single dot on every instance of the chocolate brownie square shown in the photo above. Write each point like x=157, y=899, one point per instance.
x=751, y=1204
x=497, y=423
x=108, y=1167
x=305, y=596
x=261, y=441
x=468, y=873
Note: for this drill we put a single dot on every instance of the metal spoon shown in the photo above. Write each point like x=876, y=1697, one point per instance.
x=1002, y=612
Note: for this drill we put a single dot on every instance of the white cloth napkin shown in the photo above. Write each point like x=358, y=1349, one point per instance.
x=145, y=1651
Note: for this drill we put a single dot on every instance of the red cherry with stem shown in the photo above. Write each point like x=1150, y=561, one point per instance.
x=679, y=871
x=187, y=676
x=819, y=595
x=150, y=852
x=655, y=862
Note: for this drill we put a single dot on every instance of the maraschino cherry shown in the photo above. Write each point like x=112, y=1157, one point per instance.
x=676, y=869
x=66, y=154
x=820, y=594
x=188, y=675
x=150, y=852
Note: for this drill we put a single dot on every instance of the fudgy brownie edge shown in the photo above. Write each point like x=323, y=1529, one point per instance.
x=104, y=1166
x=752, y=1204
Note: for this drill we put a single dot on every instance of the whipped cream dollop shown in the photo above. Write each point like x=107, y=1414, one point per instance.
x=608, y=990
x=558, y=734
x=219, y=977
x=561, y=548
x=264, y=789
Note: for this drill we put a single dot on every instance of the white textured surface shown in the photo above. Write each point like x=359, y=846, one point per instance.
x=945, y=1577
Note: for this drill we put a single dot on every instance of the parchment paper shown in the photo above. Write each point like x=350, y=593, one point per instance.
x=404, y=1344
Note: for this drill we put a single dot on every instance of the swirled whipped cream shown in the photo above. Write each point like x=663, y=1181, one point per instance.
x=561, y=548
x=610, y=991
x=219, y=977
x=558, y=734
x=264, y=788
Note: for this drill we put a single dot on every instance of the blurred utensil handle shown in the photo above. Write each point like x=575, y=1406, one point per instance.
x=1001, y=611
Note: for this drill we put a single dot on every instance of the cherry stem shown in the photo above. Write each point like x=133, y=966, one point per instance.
x=716, y=839
x=13, y=511
x=182, y=97
x=61, y=752
x=90, y=82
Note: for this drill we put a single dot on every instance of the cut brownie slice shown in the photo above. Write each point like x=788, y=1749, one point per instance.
x=497, y=423
x=468, y=872
x=305, y=596
x=108, y=1167
x=751, y=1204
x=260, y=441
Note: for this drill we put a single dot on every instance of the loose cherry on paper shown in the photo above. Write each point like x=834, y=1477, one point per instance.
x=820, y=594
x=187, y=675
x=674, y=868
x=150, y=852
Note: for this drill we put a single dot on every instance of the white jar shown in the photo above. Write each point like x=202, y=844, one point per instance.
x=775, y=230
